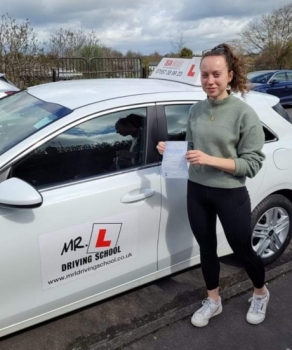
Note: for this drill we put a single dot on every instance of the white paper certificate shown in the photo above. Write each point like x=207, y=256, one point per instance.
x=174, y=163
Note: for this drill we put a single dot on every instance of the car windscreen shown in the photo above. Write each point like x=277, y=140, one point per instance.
x=259, y=77
x=22, y=115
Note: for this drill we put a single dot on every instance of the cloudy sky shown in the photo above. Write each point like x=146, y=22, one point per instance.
x=144, y=26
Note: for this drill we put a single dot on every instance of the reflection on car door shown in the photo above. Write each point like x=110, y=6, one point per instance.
x=96, y=230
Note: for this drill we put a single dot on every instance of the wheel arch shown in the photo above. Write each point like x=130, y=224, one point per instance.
x=285, y=193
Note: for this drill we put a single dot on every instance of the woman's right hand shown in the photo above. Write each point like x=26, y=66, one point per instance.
x=161, y=147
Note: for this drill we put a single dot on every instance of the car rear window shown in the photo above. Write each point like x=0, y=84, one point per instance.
x=281, y=111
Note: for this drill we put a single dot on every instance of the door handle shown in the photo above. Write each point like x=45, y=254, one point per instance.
x=137, y=195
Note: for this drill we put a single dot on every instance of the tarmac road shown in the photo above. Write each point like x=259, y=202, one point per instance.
x=230, y=330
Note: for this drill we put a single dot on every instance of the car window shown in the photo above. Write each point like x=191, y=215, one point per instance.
x=22, y=114
x=259, y=77
x=289, y=74
x=282, y=112
x=279, y=77
x=100, y=146
x=176, y=119
x=269, y=136
x=177, y=116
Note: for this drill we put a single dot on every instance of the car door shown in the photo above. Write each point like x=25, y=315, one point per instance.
x=279, y=86
x=97, y=228
x=176, y=241
x=177, y=245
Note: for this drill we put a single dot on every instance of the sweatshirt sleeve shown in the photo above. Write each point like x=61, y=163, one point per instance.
x=189, y=136
x=249, y=151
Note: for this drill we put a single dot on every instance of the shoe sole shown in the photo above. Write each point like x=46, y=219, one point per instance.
x=204, y=323
x=255, y=321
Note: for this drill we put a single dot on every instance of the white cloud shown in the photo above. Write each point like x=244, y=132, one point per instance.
x=144, y=26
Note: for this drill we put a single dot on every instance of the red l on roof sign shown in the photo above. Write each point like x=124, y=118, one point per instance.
x=192, y=72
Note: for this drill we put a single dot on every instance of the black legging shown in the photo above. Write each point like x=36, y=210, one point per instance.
x=234, y=211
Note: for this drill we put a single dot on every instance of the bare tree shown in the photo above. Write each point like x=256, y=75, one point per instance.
x=66, y=42
x=178, y=43
x=270, y=38
x=78, y=43
x=17, y=37
x=19, y=48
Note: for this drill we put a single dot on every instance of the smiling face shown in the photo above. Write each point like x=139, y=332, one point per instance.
x=215, y=77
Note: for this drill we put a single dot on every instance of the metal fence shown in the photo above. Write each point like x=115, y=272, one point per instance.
x=39, y=71
x=24, y=74
x=96, y=67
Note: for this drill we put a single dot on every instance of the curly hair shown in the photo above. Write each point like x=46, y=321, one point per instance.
x=133, y=119
x=239, y=82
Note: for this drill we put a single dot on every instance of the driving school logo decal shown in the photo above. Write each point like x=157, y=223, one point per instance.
x=89, y=248
x=101, y=238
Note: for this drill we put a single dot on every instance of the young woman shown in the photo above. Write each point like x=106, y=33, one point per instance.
x=225, y=140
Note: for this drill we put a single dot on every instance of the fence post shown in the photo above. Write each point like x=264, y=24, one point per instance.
x=144, y=72
x=54, y=75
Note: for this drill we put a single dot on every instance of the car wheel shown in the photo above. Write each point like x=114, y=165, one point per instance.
x=271, y=227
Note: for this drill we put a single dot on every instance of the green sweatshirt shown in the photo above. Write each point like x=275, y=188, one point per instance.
x=236, y=132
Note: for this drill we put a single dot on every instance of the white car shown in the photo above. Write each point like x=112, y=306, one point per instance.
x=6, y=87
x=82, y=220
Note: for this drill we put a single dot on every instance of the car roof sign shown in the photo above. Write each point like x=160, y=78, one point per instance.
x=183, y=70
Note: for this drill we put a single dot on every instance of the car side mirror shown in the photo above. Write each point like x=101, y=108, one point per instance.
x=16, y=193
x=273, y=81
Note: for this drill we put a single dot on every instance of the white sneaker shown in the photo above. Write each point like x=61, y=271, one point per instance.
x=209, y=309
x=257, y=311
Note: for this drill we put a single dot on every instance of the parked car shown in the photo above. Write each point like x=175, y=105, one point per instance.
x=274, y=82
x=6, y=87
x=79, y=224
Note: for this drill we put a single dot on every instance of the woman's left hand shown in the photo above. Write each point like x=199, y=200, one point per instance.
x=198, y=157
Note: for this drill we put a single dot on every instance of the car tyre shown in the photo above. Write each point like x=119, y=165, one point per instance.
x=271, y=224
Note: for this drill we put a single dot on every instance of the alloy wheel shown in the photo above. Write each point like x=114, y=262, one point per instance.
x=270, y=232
